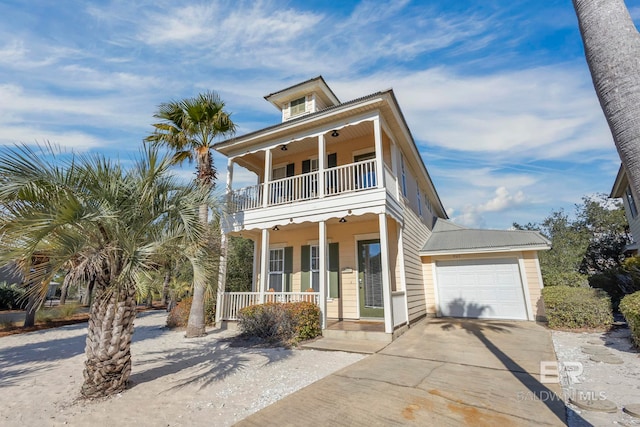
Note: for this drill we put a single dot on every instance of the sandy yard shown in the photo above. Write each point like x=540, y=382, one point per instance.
x=619, y=383
x=208, y=381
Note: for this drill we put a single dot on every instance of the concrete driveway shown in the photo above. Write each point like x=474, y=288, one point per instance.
x=444, y=372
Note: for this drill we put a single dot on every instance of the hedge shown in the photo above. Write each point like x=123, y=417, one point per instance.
x=630, y=309
x=577, y=308
x=284, y=323
x=179, y=315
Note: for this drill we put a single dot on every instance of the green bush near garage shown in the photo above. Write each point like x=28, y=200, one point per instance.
x=577, y=308
x=630, y=309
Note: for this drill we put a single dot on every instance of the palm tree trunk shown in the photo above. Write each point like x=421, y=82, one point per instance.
x=165, y=286
x=195, y=325
x=86, y=300
x=108, y=347
x=32, y=308
x=65, y=289
x=612, y=48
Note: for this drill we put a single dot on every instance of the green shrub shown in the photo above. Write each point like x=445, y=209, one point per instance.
x=179, y=316
x=68, y=310
x=576, y=308
x=12, y=297
x=566, y=278
x=281, y=323
x=46, y=315
x=608, y=281
x=630, y=309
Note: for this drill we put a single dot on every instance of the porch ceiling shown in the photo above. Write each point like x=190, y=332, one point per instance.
x=254, y=161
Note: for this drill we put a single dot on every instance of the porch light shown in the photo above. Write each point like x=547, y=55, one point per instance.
x=335, y=133
x=343, y=220
x=283, y=148
x=275, y=228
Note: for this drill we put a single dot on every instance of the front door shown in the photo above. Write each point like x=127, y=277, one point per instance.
x=370, y=278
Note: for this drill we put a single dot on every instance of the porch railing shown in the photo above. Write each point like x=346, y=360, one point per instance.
x=295, y=188
x=233, y=302
x=339, y=180
x=349, y=178
x=246, y=198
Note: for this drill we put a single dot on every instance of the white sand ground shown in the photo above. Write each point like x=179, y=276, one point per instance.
x=617, y=383
x=208, y=381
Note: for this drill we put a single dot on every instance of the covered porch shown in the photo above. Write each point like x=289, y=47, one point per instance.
x=350, y=268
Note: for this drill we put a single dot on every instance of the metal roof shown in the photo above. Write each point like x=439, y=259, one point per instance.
x=449, y=238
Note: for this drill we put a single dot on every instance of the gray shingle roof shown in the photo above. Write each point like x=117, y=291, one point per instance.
x=451, y=238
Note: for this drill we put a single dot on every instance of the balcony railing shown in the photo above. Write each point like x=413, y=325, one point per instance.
x=246, y=198
x=233, y=302
x=354, y=177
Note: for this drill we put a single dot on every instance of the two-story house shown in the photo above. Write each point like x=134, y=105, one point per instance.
x=344, y=213
x=622, y=189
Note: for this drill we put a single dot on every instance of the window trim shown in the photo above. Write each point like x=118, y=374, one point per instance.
x=404, y=176
x=631, y=201
x=276, y=272
x=299, y=101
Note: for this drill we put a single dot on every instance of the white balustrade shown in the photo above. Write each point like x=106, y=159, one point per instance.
x=342, y=179
x=235, y=301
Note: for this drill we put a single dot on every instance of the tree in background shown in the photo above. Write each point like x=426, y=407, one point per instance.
x=112, y=222
x=239, y=264
x=612, y=48
x=189, y=129
x=591, y=243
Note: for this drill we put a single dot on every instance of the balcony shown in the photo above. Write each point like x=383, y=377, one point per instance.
x=351, y=178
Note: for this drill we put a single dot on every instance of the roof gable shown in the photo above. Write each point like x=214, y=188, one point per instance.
x=316, y=86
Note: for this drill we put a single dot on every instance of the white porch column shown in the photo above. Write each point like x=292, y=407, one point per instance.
x=322, y=164
x=268, y=158
x=386, y=274
x=230, y=164
x=256, y=256
x=322, y=246
x=377, y=139
x=222, y=277
x=264, y=263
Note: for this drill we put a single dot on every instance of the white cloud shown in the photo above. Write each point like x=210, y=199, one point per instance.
x=547, y=112
x=472, y=215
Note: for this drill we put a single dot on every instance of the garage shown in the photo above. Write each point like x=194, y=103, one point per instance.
x=481, y=288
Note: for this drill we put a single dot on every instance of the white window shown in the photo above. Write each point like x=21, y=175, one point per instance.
x=314, y=164
x=298, y=106
x=404, y=176
x=315, y=267
x=631, y=202
x=419, y=203
x=276, y=269
x=279, y=173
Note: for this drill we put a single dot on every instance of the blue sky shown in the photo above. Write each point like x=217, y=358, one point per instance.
x=496, y=92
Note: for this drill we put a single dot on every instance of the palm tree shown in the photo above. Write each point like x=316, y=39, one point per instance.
x=612, y=48
x=99, y=220
x=189, y=128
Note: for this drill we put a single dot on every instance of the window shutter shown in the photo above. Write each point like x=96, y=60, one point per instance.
x=306, y=166
x=291, y=169
x=334, y=270
x=288, y=268
x=332, y=160
x=305, y=281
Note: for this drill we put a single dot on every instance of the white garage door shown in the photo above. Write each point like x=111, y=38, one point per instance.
x=486, y=289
